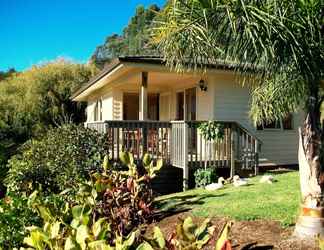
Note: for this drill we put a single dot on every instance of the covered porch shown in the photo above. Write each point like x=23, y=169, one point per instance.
x=160, y=96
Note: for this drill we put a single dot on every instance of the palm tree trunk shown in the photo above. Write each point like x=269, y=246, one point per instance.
x=311, y=219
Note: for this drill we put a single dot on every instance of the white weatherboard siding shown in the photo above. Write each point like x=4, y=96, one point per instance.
x=205, y=102
x=232, y=103
x=90, y=111
x=231, y=100
x=117, y=105
x=165, y=107
x=281, y=146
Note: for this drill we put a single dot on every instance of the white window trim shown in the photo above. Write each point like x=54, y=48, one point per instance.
x=281, y=126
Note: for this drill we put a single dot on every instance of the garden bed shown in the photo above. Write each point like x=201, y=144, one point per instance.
x=258, y=234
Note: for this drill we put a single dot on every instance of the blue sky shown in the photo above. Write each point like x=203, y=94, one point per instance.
x=34, y=31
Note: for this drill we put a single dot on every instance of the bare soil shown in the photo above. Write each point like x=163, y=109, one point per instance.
x=246, y=235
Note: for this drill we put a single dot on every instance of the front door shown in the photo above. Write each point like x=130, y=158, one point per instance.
x=186, y=105
x=180, y=106
x=131, y=106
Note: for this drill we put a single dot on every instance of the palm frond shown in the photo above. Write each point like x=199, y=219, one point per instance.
x=263, y=39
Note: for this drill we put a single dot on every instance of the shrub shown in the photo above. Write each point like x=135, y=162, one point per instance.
x=14, y=217
x=80, y=222
x=61, y=159
x=203, y=177
x=212, y=130
x=77, y=228
x=106, y=209
x=126, y=197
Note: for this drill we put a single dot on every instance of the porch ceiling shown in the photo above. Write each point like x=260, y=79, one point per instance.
x=157, y=81
x=124, y=72
x=127, y=77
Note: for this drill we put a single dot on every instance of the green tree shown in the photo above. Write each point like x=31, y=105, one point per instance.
x=6, y=74
x=277, y=42
x=36, y=99
x=40, y=97
x=134, y=40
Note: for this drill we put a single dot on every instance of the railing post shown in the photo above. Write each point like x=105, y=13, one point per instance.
x=144, y=136
x=256, y=157
x=105, y=127
x=232, y=152
x=185, y=157
x=143, y=97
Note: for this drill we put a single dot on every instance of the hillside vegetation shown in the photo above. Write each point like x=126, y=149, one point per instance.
x=134, y=39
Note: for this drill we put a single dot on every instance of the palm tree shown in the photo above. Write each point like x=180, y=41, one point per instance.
x=280, y=44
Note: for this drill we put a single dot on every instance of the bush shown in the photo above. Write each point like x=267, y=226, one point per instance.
x=203, y=177
x=106, y=209
x=126, y=197
x=61, y=159
x=83, y=223
x=14, y=217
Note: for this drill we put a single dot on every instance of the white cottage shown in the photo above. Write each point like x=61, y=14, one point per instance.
x=145, y=107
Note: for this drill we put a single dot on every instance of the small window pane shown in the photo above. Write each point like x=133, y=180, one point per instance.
x=259, y=127
x=95, y=111
x=287, y=122
x=100, y=109
x=272, y=125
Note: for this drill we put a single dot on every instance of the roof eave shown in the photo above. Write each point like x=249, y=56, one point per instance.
x=106, y=70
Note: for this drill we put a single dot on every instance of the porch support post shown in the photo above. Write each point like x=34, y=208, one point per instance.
x=143, y=109
x=143, y=98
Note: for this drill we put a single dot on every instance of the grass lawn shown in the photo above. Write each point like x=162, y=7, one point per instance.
x=278, y=201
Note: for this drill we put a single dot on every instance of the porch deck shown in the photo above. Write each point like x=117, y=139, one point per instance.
x=180, y=144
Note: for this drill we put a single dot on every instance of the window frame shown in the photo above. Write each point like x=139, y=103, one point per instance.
x=263, y=128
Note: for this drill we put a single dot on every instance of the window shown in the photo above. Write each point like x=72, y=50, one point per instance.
x=98, y=110
x=287, y=122
x=95, y=112
x=282, y=124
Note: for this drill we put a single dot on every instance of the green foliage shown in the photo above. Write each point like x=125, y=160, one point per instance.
x=3, y=162
x=103, y=214
x=76, y=227
x=133, y=41
x=71, y=227
x=15, y=215
x=277, y=42
x=61, y=159
x=126, y=197
x=212, y=130
x=6, y=74
x=81, y=222
x=40, y=97
x=203, y=177
x=190, y=236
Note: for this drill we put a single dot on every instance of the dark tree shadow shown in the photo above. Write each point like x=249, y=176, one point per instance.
x=179, y=204
x=254, y=246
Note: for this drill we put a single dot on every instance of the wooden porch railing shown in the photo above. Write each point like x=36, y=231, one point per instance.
x=180, y=144
x=137, y=137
